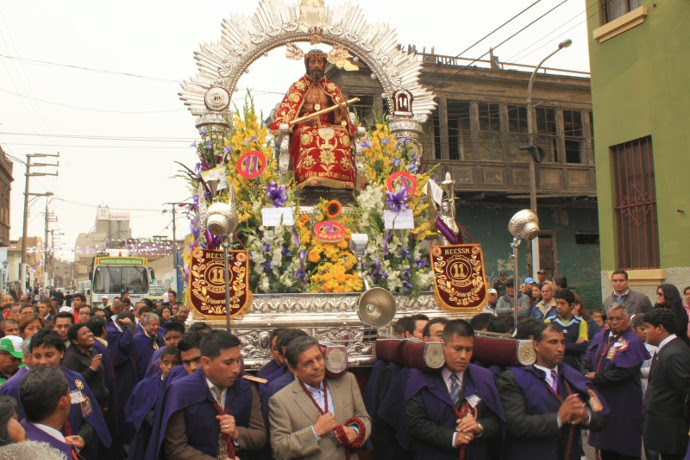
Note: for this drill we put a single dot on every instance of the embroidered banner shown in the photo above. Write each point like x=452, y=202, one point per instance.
x=460, y=279
x=207, y=282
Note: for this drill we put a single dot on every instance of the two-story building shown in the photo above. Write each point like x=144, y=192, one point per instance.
x=476, y=133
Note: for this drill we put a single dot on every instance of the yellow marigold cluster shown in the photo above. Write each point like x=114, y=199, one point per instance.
x=333, y=277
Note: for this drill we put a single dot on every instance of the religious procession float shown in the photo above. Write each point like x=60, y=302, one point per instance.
x=315, y=220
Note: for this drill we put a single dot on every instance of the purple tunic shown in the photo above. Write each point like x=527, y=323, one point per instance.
x=175, y=373
x=539, y=400
x=143, y=400
x=439, y=408
x=268, y=369
x=154, y=369
x=121, y=349
x=88, y=411
x=623, y=432
x=191, y=394
x=36, y=434
x=143, y=351
x=276, y=382
x=392, y=410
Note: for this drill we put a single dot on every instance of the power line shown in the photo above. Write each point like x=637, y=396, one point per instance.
x=489, y=34
x=90, y=69
x=106, y=138
x=503, y=42
x=593, y=6
x=123, y=147
x=85, y=108
x=112, y=209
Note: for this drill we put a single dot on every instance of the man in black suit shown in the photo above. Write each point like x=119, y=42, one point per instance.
x=547, y=404
x=457, y=412
x=665, y=429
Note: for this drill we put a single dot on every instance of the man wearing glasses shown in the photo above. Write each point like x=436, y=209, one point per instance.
x=633, y=301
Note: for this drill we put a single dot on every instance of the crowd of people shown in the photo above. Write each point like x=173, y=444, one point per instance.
x=121, y=381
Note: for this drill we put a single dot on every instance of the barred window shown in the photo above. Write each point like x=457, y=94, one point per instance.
x=637, y=231
x=614, y=9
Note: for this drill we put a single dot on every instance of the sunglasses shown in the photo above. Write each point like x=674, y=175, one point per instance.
x=659, y=294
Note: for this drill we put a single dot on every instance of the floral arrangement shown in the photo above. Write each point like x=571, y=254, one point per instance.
x=291, y=258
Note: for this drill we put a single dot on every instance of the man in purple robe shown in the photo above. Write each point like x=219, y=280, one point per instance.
x=45, y=397
x=85, y=418
x=277, y=360
x=216, y=394
x=146, y=343
x=545, y=403
x=121, y=346
x=456, y=413
x=141, y=406
x=613, y=364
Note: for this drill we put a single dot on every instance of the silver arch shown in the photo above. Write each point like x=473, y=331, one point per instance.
x=274, y=24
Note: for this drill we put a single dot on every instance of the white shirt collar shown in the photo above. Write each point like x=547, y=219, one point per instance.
x=547, y=371
x=210, y=384
x=446, y=373
x=663, y=343
x=627, y=291
x=51, y=431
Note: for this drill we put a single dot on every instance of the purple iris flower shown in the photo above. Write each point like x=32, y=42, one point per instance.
x=285, y=253
x=385, y=141
x=396, y=162
x=397, y=201
x=277, y=194
x=209, y=145
x=404, y=253
x=366, y=144
x=267, y=247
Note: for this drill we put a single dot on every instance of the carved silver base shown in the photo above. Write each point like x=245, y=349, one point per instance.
x=331, y=318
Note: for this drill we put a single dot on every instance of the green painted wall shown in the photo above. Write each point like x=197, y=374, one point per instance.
x=488, y=224
x=640, y=87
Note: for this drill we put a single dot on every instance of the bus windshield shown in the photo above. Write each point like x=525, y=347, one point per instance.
x=112, y=279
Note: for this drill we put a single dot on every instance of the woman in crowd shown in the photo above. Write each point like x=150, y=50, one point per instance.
x=83, y=358
x=30, y=324
x=668, y=296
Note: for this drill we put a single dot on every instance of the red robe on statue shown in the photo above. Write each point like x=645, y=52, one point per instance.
x=321, y=153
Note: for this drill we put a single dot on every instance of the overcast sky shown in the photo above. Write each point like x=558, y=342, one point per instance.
x=97, y=120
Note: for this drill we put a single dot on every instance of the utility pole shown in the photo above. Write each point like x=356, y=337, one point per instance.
x=49, y=217
x=27, y=194
x=174, y=237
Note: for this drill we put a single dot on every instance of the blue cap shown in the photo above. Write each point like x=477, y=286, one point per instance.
x=529, y=280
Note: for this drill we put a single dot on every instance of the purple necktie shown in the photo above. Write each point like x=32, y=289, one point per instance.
x=554, y=380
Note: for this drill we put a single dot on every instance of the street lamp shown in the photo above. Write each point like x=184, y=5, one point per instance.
x=534, y=152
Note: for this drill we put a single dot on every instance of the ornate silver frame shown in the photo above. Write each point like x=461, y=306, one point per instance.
x=274, y=24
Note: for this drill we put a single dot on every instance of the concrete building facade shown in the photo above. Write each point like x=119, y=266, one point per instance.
x=638, y=58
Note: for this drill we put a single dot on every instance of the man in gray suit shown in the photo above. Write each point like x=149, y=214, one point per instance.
x=315, y=417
